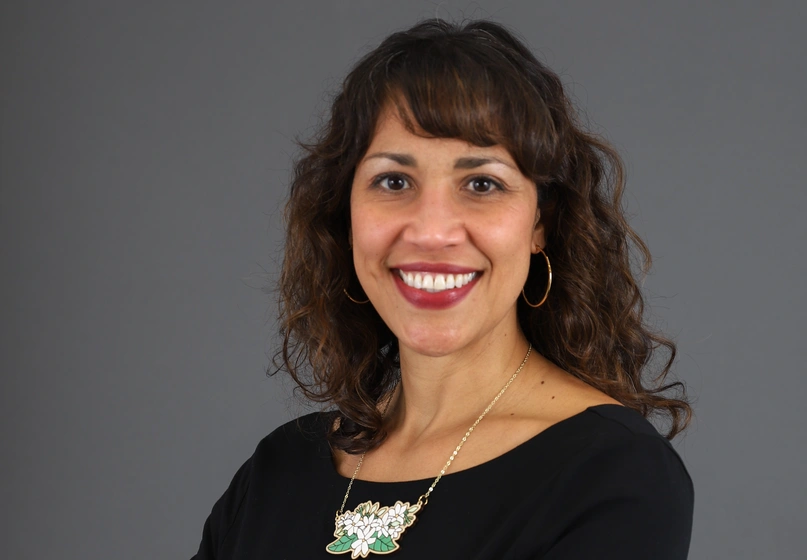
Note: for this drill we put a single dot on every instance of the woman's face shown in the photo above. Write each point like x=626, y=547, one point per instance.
x=442, y=232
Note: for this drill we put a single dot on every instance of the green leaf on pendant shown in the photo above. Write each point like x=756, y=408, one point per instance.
x=382, y=544
x=343, y=544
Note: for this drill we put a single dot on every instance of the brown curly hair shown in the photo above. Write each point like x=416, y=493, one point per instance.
x=478, y=83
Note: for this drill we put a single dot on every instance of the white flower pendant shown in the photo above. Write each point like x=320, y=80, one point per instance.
x=370, y=529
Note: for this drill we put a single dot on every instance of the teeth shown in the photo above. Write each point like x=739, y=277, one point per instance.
x=431, y=282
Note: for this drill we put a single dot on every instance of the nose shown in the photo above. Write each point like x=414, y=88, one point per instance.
x=435, y=219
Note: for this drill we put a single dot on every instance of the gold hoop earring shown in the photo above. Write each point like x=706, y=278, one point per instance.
x=353, y=300
x=548, y=284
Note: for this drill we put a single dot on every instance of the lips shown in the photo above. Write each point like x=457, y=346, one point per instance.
x=432, y=286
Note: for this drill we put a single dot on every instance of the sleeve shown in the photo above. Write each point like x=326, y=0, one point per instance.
x=223, y=515
x=629, y=501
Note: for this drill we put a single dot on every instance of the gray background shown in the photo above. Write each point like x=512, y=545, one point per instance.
x=145, y=150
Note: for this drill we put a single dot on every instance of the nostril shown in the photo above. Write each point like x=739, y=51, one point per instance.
x=434, y=232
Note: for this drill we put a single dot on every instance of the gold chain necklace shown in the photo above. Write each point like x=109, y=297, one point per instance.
x=370, y=529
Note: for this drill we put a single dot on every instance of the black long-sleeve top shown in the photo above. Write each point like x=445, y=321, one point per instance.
x=601, y=484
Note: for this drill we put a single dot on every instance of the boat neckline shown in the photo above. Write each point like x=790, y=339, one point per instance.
x=470, y=470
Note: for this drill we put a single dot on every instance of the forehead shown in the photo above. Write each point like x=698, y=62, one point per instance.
x=399, y=133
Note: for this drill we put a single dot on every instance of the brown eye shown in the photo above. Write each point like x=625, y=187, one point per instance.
x=392, y=182
x=483, y=185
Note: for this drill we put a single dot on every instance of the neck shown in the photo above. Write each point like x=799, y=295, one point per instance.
x=447, y=392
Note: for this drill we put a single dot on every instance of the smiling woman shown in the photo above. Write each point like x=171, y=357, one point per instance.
x=437, y=208
x=457, y=288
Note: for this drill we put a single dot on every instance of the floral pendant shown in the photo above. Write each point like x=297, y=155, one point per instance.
x=370, y=529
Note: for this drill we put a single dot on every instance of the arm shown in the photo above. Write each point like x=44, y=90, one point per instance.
x=629, y=501
x=223, y=515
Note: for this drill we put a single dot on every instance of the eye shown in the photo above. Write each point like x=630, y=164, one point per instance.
x=391, y=182
x=484, y=185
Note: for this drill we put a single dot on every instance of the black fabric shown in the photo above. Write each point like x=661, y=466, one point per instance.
x=602, y=484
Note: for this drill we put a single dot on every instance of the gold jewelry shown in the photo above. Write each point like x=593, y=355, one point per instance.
x=353, y=300
x=350, y=247
x=548, y=283
x=372, y=529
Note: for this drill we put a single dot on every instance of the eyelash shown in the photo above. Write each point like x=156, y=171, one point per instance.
x=496, y=185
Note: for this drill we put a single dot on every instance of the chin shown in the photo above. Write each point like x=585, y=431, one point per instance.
x=433, y=344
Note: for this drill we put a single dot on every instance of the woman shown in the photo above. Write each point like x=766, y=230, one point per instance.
x=457, y=287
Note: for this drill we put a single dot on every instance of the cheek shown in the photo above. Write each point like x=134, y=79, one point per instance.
x=511, y=234
x=371, y=238
x=508, y=245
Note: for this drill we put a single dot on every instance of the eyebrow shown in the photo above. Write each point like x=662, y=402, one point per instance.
x=461, y=163
x=473, y=162
x=401, y=159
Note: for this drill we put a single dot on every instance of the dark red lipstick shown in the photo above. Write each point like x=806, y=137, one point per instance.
x=434, y=300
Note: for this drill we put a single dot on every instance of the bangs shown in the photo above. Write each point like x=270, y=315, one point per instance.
x=456, y=89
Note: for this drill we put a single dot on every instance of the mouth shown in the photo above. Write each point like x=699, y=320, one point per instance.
x=435, y=288
x=433, y=282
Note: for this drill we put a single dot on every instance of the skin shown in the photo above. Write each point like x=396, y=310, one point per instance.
x=416, y=199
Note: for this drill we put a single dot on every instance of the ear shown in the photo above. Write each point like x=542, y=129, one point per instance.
x=538, y=238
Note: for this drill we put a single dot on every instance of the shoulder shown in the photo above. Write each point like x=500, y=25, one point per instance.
x=286, y=451
x=296, y=441
x=625, y=458
x=615, y=432
x=298, y=446
x=307, y=427
x=599, y=425
x=618, y=419
x=624, y=488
